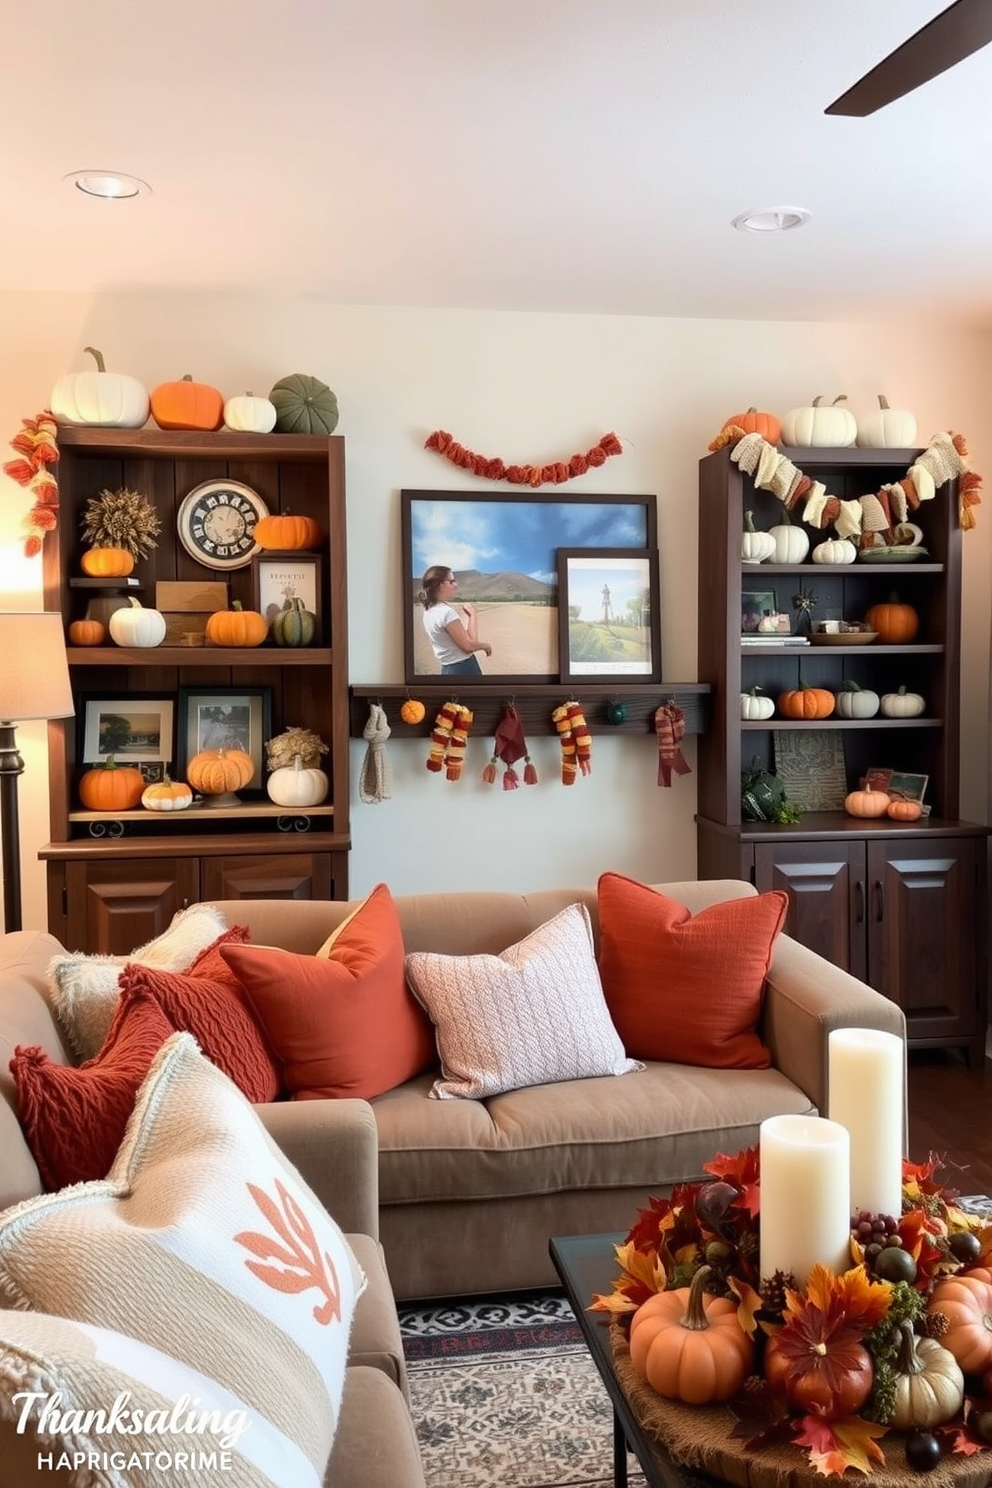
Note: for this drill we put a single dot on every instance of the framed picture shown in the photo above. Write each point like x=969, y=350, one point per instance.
x=225, y=718
x=608, y=615
x=135, y=730
x=755, y=604
x=279, y=577
x=502, y=551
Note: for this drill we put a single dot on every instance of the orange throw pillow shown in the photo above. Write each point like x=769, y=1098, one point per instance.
x=345, y=1024
x=686, y=988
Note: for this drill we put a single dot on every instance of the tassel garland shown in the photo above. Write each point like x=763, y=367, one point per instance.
x=449, y=740
x=557, y=472
x=575, y=741
x=37, y=449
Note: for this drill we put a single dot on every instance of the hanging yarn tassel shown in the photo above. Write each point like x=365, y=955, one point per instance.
x=454, y=754
x=669, y=726
x=530, y=771
x=582, y=738
x=440, y=735
x=509, y=746
x=375, y=781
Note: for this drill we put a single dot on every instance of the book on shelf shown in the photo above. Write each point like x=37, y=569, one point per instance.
x=771, y=639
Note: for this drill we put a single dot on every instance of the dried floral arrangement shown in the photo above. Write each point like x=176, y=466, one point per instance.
x=283, y=749
x=121, y=519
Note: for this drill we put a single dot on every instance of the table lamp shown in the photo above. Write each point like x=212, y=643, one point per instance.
x=34, y=683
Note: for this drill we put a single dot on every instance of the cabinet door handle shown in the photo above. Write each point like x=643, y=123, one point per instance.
x=879, y=900
x=859, y=902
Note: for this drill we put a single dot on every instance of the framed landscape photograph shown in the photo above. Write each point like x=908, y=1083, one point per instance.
x=608, y=614
x=502, y=551
x=135, y=730
x=225, y=718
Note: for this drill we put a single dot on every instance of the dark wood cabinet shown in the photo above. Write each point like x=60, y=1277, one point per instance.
x=901, y=906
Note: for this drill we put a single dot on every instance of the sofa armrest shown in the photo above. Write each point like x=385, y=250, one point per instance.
x=334, y=1143
x=806, y=997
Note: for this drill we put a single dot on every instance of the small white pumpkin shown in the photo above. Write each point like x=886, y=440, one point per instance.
x=250, y=415
x=901, y=704
x=133, y=625
x=887, y=428
x=791, y=542
x=835, y=550
x=754, y=706
x=166, y=795
x=820, y=425
x=297, y=785
x=857, y=702
x=102, y=399
x=755, y=546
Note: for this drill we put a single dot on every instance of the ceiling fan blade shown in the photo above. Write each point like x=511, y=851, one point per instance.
x=954, y=34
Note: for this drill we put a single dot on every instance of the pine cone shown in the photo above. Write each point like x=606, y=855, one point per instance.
x=936, y=1324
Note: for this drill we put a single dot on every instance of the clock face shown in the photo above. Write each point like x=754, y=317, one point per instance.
x=216, y=523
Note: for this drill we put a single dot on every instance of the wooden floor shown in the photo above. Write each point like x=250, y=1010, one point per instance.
x=950, y=1113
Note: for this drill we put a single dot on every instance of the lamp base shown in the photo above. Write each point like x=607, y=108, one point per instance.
x=11, y=766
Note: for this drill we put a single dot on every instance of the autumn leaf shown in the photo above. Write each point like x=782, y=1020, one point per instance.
x=642, y=1276
x=761, y=1418
x=959, y=1435
x=299, y=1264
x=750, y=1303
x=742, y=1171
x=851, y=1299
x=834, y=1446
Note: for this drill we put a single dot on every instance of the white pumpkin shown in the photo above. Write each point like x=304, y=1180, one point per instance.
x=250, y=415
x=108, y=400
x=835, y=550
x=755, y=546
x=856, y=702
x=902, y=704
x=791, y=542
x=754, y=706
x=167, y=795
x=887, y=428
x=297, y=785
x=133, y=625
x=820, y=425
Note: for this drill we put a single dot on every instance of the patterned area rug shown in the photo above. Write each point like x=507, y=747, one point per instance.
x=505, y=1395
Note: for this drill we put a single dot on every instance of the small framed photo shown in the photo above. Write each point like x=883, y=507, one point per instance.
x=225, y=718
x=278, y=578
x=907, y=787
x=136, y=730
x=755, y=605
x=608, y=620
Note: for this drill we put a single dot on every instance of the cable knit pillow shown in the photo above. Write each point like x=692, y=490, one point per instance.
x=84, y=988
x=530, y=1016
x=205, y=1243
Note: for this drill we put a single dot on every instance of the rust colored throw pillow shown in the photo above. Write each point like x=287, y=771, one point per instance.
x=342, y=1023
x=74, y=1117
x=682, y=987
x=209, y=1002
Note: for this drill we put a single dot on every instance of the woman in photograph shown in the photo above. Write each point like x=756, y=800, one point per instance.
x=454, y=643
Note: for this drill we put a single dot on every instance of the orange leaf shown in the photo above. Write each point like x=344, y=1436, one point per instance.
x=303, y=1264
x=749, y=1301
x=834, y=1446
x=643, y=1276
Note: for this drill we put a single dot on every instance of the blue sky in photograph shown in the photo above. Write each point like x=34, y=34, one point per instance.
x=518, y=536
x=586, y=581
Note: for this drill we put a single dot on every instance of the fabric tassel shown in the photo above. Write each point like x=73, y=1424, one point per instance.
x=440, y=736
x=530, y=772
x=581, y=737
x=669, y=726
x=454, y=754
x=510, y=778
x=563, y=725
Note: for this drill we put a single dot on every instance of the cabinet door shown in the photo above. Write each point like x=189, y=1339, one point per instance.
x=279, y=876
x=923, y=933
x=113, y=906
x=825, y=882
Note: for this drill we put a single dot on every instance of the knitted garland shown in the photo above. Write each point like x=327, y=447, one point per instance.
x=575, y=741
x=37, y=449
x=449, y=740
x=523, y=475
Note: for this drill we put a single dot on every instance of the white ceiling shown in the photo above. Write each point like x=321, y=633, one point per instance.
x=558, y=155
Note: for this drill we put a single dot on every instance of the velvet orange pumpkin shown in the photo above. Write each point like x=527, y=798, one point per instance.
x=287, y=532
x=107, y=563
x=111, y=787
x=187, y=405
x=806, y=702
x=756, y=422
x=966, y=1302
x=689, y=1346
x=895, y=623
x=87, y=633
x=236, y=627
x=866, y=803
x=904, y=810
x=215, y=772
x=835, y=1382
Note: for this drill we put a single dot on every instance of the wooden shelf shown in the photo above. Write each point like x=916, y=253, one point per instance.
x=199, y=656
x=248, y=810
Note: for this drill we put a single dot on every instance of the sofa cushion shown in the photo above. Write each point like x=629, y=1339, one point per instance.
x=205, y=1243
x=687, y=987
x=534, y=1013
x=342, y=1022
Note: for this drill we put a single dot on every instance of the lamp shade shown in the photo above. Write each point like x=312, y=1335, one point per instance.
x=34, y=673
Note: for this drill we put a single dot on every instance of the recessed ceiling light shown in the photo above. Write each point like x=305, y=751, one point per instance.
x=771, y=219
x=111, y=185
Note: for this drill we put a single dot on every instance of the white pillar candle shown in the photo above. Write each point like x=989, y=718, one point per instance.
x=805, y=1186
x=865, y=1094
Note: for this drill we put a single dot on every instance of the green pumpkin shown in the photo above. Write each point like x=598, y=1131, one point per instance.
x=293, y=625
x=304, y=405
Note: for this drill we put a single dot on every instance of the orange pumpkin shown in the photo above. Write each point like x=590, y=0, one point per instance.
x=413, y=711
x=895, y=623
x=904, y=810
x=87, y=633
x=756, y=422
x=966, y=1302
x=107, y=563
x=166, y=795
x=288, y=533
x=829, y=1385
x=187, y=405
x=689, y=1346
x=236, y=627
x=111, y=787
x=806, y=702
x=217, y=771
x=866, y=803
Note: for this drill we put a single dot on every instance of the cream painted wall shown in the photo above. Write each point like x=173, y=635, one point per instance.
x=527, y=387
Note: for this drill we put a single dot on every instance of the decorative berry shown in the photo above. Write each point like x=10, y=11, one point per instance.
x=964, y=1246
x=922, y=1451
x=895, y=1264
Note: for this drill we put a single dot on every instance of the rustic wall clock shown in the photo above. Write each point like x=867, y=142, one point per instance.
x=216, y=523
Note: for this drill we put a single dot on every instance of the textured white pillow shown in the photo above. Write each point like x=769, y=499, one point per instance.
x=530, y=1016
x=84, y=989
x=205, y=1243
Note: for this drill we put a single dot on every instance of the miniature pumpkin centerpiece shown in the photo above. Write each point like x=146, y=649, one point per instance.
x=107, y=563
x=907, y=811
x=689, y=1346
x=820, y=425
x=119, y=526
x=111, y=787
x=866, y=802
x=236, y=627
x=895, y=623
x=187, y=405
x=220, y=774
x=166, y=795
x=250, y=415
x=806, y=702
x=134, y=625
x=87, y=633
x=756, y=421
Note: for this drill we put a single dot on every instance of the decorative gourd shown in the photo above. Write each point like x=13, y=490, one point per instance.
x=133, y=625
x=791, y=542
x=107, y=563
x=166, y=795
x=756, y=422
x=87, y=633
x=287, y=532
x=413, y=711
x=857, y=702
x=187, y=405
x=754, y=706
x=689, y=1346
x=304, y=405
x=966, y=1302
x=250, y=415
x=755, y=546
x=902, y=704
x=297, y=785
x=835, y=550
x=111, y=787
x=831, y=1385
x=929, y=1383
x=293, y=625
x=887, y=428
x=216, y=772
x=895, y=623
x=806, y=702
x=820, y=425
x=102, y=399
x=866, y=803
x=236, y=627
x=907, y=811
